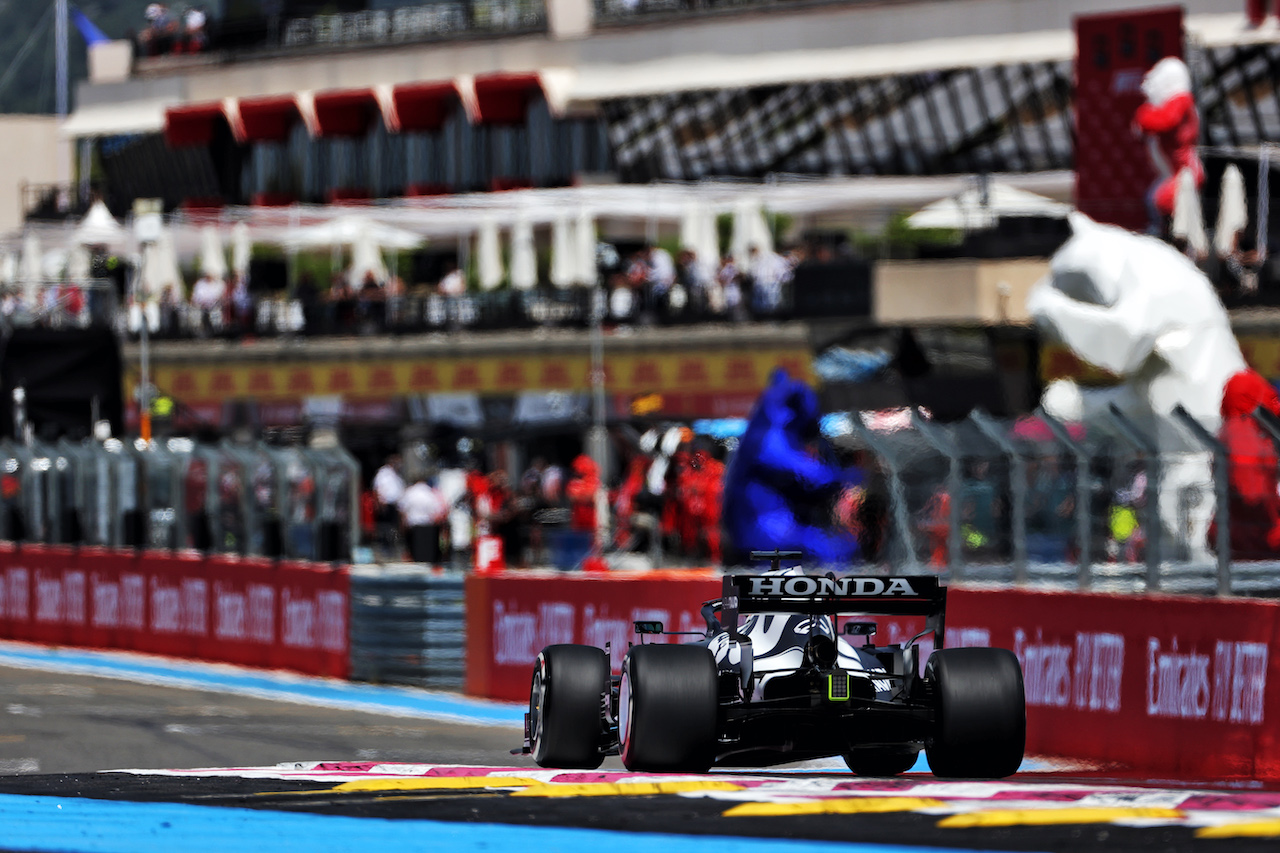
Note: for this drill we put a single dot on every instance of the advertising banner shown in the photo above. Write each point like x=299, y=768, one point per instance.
x=511, y=616
x=741, y=373
x=220, y=608
x=312, y=633
x=1170, y=684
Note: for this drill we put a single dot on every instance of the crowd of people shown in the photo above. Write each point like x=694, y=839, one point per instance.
x=654, y=286
x=666, y=501
x=650, y=287
x=167, y=31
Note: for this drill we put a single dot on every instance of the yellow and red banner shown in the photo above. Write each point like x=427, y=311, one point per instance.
x=684, y=372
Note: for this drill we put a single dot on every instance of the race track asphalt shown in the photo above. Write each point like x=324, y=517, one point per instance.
x=302, y=764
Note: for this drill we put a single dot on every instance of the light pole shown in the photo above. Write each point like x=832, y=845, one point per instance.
x=146, y=227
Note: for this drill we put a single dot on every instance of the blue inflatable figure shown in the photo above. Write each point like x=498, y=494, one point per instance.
x=775, y=486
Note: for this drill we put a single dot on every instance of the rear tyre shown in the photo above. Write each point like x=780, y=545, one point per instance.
x=668, y=703
x=881, y=761
x=566, y=703
x=980, y=718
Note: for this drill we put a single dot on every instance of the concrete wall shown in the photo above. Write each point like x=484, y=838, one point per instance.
x=30, y=152
x=983, y=292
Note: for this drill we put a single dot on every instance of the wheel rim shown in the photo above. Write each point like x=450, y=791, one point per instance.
x=536, y=694
x=624, y=713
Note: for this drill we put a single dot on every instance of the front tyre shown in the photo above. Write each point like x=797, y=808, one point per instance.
x=668, y=704
x=566, y=703
x=980, y=717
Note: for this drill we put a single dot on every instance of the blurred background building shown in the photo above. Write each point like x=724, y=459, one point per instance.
x=902, y=169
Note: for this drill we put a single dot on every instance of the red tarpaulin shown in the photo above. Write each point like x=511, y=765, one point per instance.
x=504, y=98
x=424, y=106
x=268, y=119
x=191, y=124
x=345, y=112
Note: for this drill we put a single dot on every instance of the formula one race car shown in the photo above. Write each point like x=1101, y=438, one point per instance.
x=787, y=684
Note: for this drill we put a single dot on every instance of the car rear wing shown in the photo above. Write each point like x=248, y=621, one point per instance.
x=899, y=595
x=829, y=594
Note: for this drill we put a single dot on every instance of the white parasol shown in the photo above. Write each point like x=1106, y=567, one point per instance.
x=160, y=271
x=1233, y=214
x=584, y=250
x=698, y=232
x=99, y=228
x=489, y=255
x=345, y=230
x=1188, y=219
x=241, y=249
x=749, y=229
x=366, y=259
x=562, y=265
x=524, y=259
x=213, y=259
x=971, y=210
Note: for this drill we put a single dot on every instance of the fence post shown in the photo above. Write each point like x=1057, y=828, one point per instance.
x=898, y=495
x=1151, y=509
x=1084, y=475
x=1017, y=489
x=955, y=544
x=1221, y=489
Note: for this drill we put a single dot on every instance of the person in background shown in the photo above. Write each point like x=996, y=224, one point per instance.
x=660, y=280
x=452, y=484
x=453, y=283
x=207, y=296
x=194, y=36
x=770, y=272
x=731, y=289
x=581, y=491
x=422, y=510
x=388, y=489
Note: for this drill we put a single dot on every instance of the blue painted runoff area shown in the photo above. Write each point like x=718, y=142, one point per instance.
x=101, y=826
x=265, y=684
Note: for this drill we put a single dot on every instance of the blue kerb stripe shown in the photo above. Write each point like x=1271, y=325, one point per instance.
x=267, y=685
x=102, y=826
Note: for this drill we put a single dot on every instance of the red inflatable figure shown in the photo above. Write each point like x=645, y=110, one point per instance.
x=1172, y=125
x=1253, y=468
x=1257, y=10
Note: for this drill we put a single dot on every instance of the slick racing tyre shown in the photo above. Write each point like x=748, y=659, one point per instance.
x=668, y=702
x=881, y=760
x=980, y=719
x=566, y=703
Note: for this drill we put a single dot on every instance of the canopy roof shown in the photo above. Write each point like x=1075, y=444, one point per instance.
x=977, y=208
x=407, y=223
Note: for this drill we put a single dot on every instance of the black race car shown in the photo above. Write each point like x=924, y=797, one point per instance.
x=789, y=682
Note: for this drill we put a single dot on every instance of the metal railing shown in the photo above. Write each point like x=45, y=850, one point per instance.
x=250, y=499
x=626, y=11
x=408, y=626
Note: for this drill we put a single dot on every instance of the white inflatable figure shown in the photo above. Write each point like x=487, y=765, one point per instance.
x=1136, y=307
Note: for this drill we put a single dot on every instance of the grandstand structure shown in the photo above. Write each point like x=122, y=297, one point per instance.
x=393, y=104
x=429, y=99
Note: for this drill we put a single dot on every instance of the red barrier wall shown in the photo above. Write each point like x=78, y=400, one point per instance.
x=1173, y=685
x=1166, y=684
x=253, y=612
x=511, y=616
